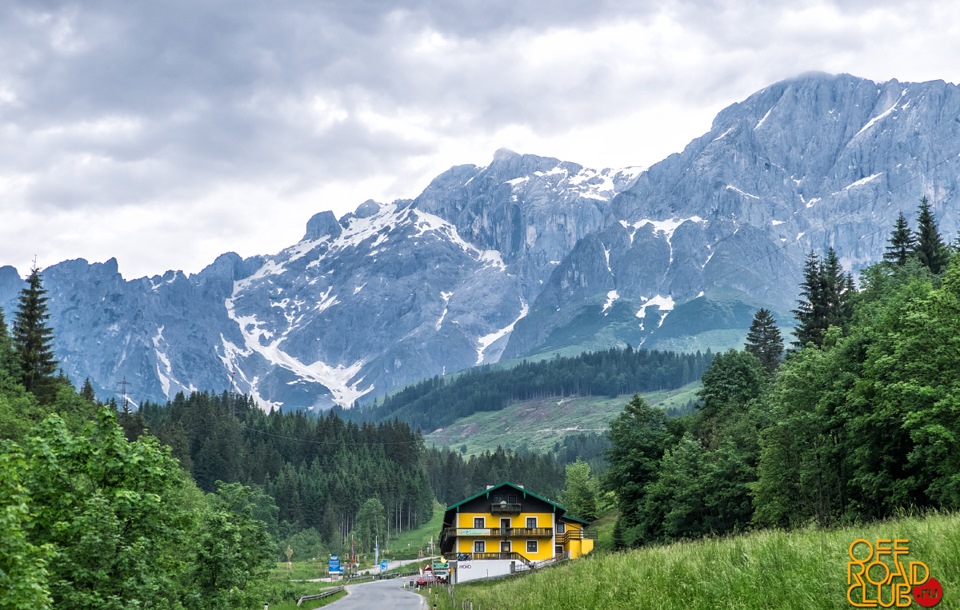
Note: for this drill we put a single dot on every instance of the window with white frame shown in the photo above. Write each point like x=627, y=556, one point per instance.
x=531, y=522
x=479, y=546
x=531, y=546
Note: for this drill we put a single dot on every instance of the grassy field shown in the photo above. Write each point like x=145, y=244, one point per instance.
x=762, y=570
x=536, y=425
x=406, y=545
x=604, y=528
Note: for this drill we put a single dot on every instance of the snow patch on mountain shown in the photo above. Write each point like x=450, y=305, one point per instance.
x=612, y=296
x=427, y=223
x=167, y=372
x=357, y=230
x=763, y=120
x=446, y=300
x=340, y=380
x=882, y=115
x=483, y=343
x=861, y=182
x=664, y=304
x=730, y=187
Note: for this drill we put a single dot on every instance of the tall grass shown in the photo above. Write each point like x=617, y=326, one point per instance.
x=762, y=570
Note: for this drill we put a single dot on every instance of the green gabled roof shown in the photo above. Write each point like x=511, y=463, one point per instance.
x=525, y=492
x=577, y=519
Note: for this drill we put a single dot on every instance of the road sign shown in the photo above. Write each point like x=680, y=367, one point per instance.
x=383, y=565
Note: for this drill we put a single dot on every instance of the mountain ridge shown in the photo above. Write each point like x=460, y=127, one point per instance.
x=529, y=255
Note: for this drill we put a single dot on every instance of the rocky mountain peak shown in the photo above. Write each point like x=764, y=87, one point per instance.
x=323, y=224
x=531, y=255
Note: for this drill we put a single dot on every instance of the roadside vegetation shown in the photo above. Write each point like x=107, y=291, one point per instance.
x=798, y=570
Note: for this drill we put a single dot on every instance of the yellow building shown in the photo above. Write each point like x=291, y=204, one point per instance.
x=508, y=522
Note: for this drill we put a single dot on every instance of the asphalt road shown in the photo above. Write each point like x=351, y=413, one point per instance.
x=380, y=594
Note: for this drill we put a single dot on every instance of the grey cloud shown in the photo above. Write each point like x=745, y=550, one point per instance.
x=218, y=93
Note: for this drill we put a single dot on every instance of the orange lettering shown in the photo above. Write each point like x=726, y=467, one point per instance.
x=914, y=573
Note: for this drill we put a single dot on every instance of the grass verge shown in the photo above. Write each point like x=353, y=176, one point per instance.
x=761, y=570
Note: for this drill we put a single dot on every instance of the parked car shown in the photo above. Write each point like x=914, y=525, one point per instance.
x=427, y=578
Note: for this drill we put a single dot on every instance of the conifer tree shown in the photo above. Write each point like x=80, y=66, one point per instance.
x=8, y=359
x=33, y=338
x=930, y=249
x=87, y=391
x=838, y=289
x=902, y=243
x=764, y=340
x=809, y=311
x=826, y=301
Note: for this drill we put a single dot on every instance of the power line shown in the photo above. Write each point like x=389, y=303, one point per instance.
x=337, y=442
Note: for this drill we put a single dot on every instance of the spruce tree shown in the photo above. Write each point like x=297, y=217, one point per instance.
x=902, y=243
x=8, y=358
x=838, y=290
x=827, y=294
x=764, y=340
x=32, y=340
x=810, y=307
x=930, y=249
x=87, y=392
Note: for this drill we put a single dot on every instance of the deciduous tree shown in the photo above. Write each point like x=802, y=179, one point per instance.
x=638, y=436
x=580, y=491
x=371, y=524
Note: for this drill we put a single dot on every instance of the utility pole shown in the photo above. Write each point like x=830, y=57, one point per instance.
x=123, y=394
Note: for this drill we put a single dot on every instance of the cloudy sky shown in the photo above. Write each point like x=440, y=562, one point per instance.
x=167, y=132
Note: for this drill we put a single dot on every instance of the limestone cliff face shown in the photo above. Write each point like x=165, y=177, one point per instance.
x=805, y=164
x=530, y=255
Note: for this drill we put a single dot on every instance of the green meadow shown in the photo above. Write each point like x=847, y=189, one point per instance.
x=537, y=425
x=760, y=570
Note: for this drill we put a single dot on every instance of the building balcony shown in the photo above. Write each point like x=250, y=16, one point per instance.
x=575, y=535
x=494, y=556
x=505, y=508
x=500, y=532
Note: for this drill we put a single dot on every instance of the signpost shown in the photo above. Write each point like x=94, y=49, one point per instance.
x=334, y=566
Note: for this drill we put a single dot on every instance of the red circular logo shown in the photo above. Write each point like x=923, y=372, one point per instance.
x=929, y=593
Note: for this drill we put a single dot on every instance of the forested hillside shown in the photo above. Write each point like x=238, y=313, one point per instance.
x=321, y=470
x=90, y=519
x=857, y=423
x=190, y=504
x=436, y=402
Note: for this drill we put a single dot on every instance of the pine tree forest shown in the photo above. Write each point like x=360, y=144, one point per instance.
x=436, y=402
